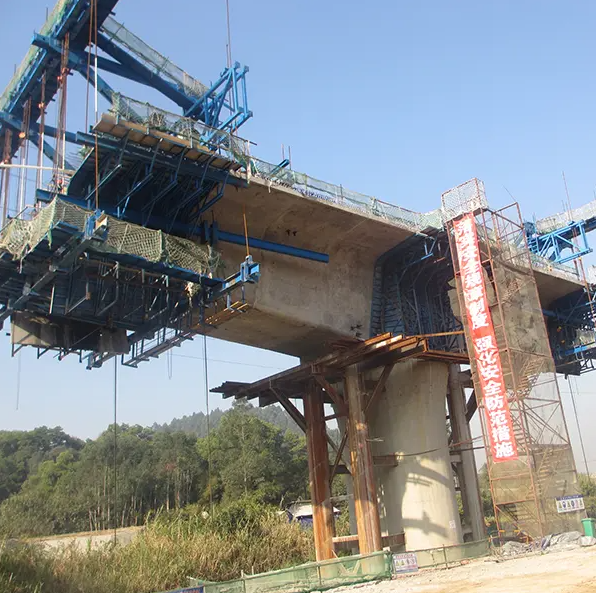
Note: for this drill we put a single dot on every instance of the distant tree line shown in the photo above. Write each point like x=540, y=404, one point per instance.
x=196, y=424
x=53, y=483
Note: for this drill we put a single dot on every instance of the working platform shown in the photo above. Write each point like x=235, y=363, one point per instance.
x=381, y=351
x=92, y=275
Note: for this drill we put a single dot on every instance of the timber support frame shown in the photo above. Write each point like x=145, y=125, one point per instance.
x=338, y=380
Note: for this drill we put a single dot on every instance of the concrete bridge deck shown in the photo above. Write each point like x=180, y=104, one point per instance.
x=298, y=306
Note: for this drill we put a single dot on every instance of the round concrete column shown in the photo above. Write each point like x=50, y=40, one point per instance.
x=418, y=495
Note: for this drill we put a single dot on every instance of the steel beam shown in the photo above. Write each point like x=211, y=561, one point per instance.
x=274, y=247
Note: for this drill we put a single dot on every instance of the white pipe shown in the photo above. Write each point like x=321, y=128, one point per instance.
x=13, y=166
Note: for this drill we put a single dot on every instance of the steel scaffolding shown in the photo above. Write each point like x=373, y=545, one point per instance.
x=524, y=490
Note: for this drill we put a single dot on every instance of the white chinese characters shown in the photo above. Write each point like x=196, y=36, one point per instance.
x=485, y=347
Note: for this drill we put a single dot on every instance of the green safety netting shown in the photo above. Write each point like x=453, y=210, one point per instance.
x=315, y=576
x=20, y=236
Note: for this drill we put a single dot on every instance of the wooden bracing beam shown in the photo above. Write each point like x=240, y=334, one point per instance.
x=294, y=413
x=363, y=479
x=339, y=453
x=318, y=471
x=336, y=398
x=380, y=386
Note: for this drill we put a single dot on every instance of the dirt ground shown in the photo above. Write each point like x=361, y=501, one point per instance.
x=560, y=572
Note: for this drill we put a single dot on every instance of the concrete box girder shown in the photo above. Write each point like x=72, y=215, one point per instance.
x=299, y=305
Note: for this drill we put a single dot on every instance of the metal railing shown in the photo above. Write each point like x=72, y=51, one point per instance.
x=345, y=198
x=559, y=220
x=196, y=133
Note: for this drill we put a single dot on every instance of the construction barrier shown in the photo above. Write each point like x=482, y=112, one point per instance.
x=351, y=570
x=314, y=576
x=446, y=555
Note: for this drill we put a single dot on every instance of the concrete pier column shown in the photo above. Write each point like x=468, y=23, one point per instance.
x=318, y=471
x=363, y=478
x=470, y=490
x=409, y=419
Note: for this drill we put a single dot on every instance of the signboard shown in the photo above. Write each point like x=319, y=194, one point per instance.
x=568, y=504
x=405, y=563
x=484, y=344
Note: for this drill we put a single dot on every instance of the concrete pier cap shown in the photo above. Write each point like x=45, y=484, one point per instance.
x=409, y=419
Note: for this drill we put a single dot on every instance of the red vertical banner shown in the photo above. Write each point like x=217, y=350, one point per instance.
x=485, y=350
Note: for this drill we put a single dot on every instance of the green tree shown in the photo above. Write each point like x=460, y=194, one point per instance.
x=53, y=483
x=250, y=456
x=485, y=492
x=21, y=452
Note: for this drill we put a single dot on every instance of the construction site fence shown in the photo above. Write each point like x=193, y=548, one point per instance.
x=448, y=555
x=314, y=576
x=350, y=570
x=345, y=198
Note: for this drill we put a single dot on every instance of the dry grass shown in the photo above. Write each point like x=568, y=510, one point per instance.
x=161, y=558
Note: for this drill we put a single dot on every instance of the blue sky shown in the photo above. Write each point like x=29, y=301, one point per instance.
x=399, y=100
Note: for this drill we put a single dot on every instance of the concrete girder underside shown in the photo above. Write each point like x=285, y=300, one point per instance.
x=298, y=306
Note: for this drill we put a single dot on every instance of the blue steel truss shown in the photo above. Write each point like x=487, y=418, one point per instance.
x=149, y=187
x=65, y=281
x=127, y=168
x=561, y=245
x=571, y=322
x=83, y=290
x=89, y=298
x=222, y=106
x=69, y=17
